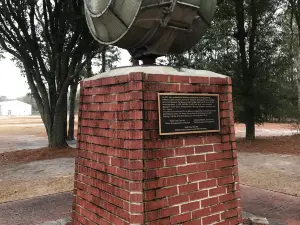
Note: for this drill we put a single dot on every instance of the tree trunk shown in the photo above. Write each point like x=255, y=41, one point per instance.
x=72, y=102
x=135, y=62
x=298, y=89
x=58, y=130
x=250, y=122
x=295, y=9
x=57, y=134
x=89, y=71
x=249, y=105
x=103, y=60
x=248, y=68
x=249, y=110
x=249, y=77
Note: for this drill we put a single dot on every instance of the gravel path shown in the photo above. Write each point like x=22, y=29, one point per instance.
x=274, y=172
x=25, y=180
x=280, y=209
x=36, y=210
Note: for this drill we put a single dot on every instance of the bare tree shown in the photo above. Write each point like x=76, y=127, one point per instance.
x=295, y=15
x=51, y=41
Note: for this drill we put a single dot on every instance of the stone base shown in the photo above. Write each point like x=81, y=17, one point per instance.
x=65, y=221
x=127, y=174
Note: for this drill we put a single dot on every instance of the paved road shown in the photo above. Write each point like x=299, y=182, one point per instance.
x=36, y=210
x=279, y=208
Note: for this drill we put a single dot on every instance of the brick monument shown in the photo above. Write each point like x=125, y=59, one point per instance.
x=127, y=172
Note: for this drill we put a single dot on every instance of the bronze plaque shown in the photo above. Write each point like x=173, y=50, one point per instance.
x=188, y=113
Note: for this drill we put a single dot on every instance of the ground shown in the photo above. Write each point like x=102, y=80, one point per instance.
x=270, y=172
x=33, y=172
x=36, y=210
x=269, y=163
x=280, y=209
x=18, y=133
x=279, y=145
x=37, y=178
x=268, y=130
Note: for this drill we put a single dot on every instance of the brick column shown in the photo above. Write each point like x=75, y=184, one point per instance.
x=127, y=174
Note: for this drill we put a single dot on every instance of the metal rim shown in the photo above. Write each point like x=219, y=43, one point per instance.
x=128, y=28
x=99, y=14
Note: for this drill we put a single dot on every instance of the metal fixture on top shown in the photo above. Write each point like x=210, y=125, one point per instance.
x=149, y=28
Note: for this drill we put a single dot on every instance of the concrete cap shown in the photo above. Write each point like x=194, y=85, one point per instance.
x=160, y=70
x=258, y=221
x=57, y=222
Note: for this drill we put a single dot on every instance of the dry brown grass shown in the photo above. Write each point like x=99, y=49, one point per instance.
x=24, y=156
x=278, y=145
x=17, y=190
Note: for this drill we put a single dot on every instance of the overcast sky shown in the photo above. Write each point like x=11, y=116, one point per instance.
x=13, y=85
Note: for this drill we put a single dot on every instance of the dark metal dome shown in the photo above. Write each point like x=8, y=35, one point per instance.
x=149, y=27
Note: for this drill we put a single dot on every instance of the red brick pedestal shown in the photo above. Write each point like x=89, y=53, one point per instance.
x=127, y=174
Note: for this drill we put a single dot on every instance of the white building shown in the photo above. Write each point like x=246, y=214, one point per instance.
x=15, y=108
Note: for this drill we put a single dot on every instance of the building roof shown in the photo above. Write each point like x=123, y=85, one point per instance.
x=13, y=102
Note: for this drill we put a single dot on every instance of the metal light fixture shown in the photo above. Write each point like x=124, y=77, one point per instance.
x=149, y=28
